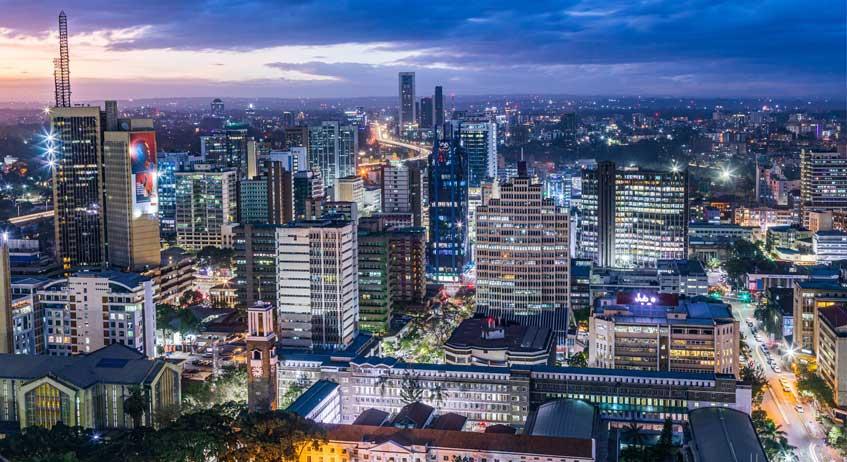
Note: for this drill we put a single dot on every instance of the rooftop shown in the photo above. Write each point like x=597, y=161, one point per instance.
x=493, y=442
x=311, y=397
x=570, y=418
x=820, y=285
x=114, y=363
x=483, y=333
x=724, y=434
x=835, y=317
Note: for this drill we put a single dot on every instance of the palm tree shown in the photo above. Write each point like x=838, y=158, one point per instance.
x=633, y=433
x=135, y=405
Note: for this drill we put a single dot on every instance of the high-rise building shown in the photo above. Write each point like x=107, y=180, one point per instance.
x=438, y=107
x=89, y=310
x=295, y=159
x=332, y=151
x=78, y=186
x=227, y=148
x=296, y=137
x=217, y=107
x=447, y=251
x=632, y=218
x=809, y=298
x=405, y=189
x=61, y=66
x=823, y=182
x=206, y=208
x=407, y=116
x=280, y=183
x=253, y=201
x=426, y=112
x=169, y=164
x=261, y=349
x=317, y=284
x=522, y=257
x=132, y=195
x=7, y=323
x=479, y=141
x=308, y=186
x=351, y=189
x=255, y=260
x=392, y=274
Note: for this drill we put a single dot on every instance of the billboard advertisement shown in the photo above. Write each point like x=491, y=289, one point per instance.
x=142, y=153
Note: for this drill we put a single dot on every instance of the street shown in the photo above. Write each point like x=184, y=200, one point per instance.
x=801, y=429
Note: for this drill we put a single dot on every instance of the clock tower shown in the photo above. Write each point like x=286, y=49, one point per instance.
x=261, y=351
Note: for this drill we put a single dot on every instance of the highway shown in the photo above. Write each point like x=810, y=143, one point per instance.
x=19, y=220
x=423, y=151
x=801, y=429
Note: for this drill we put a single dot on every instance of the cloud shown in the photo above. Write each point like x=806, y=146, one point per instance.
x=571, y=46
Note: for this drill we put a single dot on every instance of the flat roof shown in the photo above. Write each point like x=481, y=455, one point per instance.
x=315, y=395
x=470, y=333
x=723, y=434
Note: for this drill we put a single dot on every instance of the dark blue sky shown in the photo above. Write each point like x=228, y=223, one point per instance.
x=321, y=48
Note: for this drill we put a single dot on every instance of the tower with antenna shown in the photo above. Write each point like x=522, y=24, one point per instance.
x=61, y=66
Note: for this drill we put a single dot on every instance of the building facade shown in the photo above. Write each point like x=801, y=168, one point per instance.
x=809, y=297
x=522, y=257
x=206, y=208
x=823, y=182
x=406, y=115
x=447, y=252
x=479, y=140
x=255, y=259
x=317, y=284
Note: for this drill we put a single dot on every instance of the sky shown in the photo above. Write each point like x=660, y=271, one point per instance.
x=300, y=48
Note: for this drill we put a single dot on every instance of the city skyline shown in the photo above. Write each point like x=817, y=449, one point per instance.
x=695, y=49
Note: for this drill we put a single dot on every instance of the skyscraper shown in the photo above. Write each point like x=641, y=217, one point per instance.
x=132, y=195
x=823, y=182
x=255, y=259
x=317, y=284
x=522, y=257
x=438, y=107
x=7, y=323
x=217, y=108
x=479, y=141
x=206, y=208
x=631, y=218
x=426, y=112
x=332, y=151
x=77, y=186
x=448, y=211
x=280, y=193
x=169, y=164
x=597, y=222
x=407, y=116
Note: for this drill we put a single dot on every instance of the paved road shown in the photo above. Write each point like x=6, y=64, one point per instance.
x=801, y=429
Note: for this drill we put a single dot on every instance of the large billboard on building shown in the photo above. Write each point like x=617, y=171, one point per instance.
x=142, y=152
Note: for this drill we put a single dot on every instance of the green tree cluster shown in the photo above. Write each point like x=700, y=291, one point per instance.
x=228, y=386
x=747, y=257
x=773, y=438
x=224, y=433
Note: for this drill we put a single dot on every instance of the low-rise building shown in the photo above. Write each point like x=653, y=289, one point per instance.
x=690, y=337
x=684, y=277
x=173, y=277
x=87, y=390
x=829, y=246
x=717, y=433
x=484, y=342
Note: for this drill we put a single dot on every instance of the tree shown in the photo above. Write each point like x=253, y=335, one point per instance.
x=59, y=443
x=228, y=386
x=410, y=388
x=135, y=405
x=578, y=360
x=755, y=377
x=274, y=436
x=809, y=383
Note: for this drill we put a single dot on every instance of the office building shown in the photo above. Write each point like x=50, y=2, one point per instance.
x=255, y=259
x=295, y=159
x=78, y=186
x=427, y=111
x=132, y=195
x=206, y=208
x=89, y=310
x=217, y=107
x=406, y=115
x=645, y=220
x=823, y=182
x=7, y=322
x=87, y=390
x=479, y=141
x=175, y=274
x=227, y=148
x=438, y=107
x=522, y=257
x=597, y=222
x=809, y=297
x=296, y=137
x=487, y=342
x=253, y=201
x=392, y=275
x=647, y=336
x=447, y=252
x=168, y=164
x=317, y=284
x=351, y=189
x=332, y=151
x=684, y=277
x=829, y=246
x=308, y=186
x=405, y=189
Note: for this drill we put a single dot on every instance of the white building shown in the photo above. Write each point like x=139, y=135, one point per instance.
x=829, y=246
x=206, y=208
x=90, y=310
x=317, y=284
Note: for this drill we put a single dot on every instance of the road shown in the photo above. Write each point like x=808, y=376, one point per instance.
x=423, y=151
x=801, y=429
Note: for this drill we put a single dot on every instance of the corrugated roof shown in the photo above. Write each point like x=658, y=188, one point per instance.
x=724, y=434
x=306, y=402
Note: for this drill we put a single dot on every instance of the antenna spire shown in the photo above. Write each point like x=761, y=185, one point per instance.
x=61, y=66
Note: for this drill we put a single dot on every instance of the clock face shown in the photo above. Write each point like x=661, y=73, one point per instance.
x=256, y=371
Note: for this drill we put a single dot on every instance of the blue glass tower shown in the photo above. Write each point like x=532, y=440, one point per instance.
x=448, y=211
